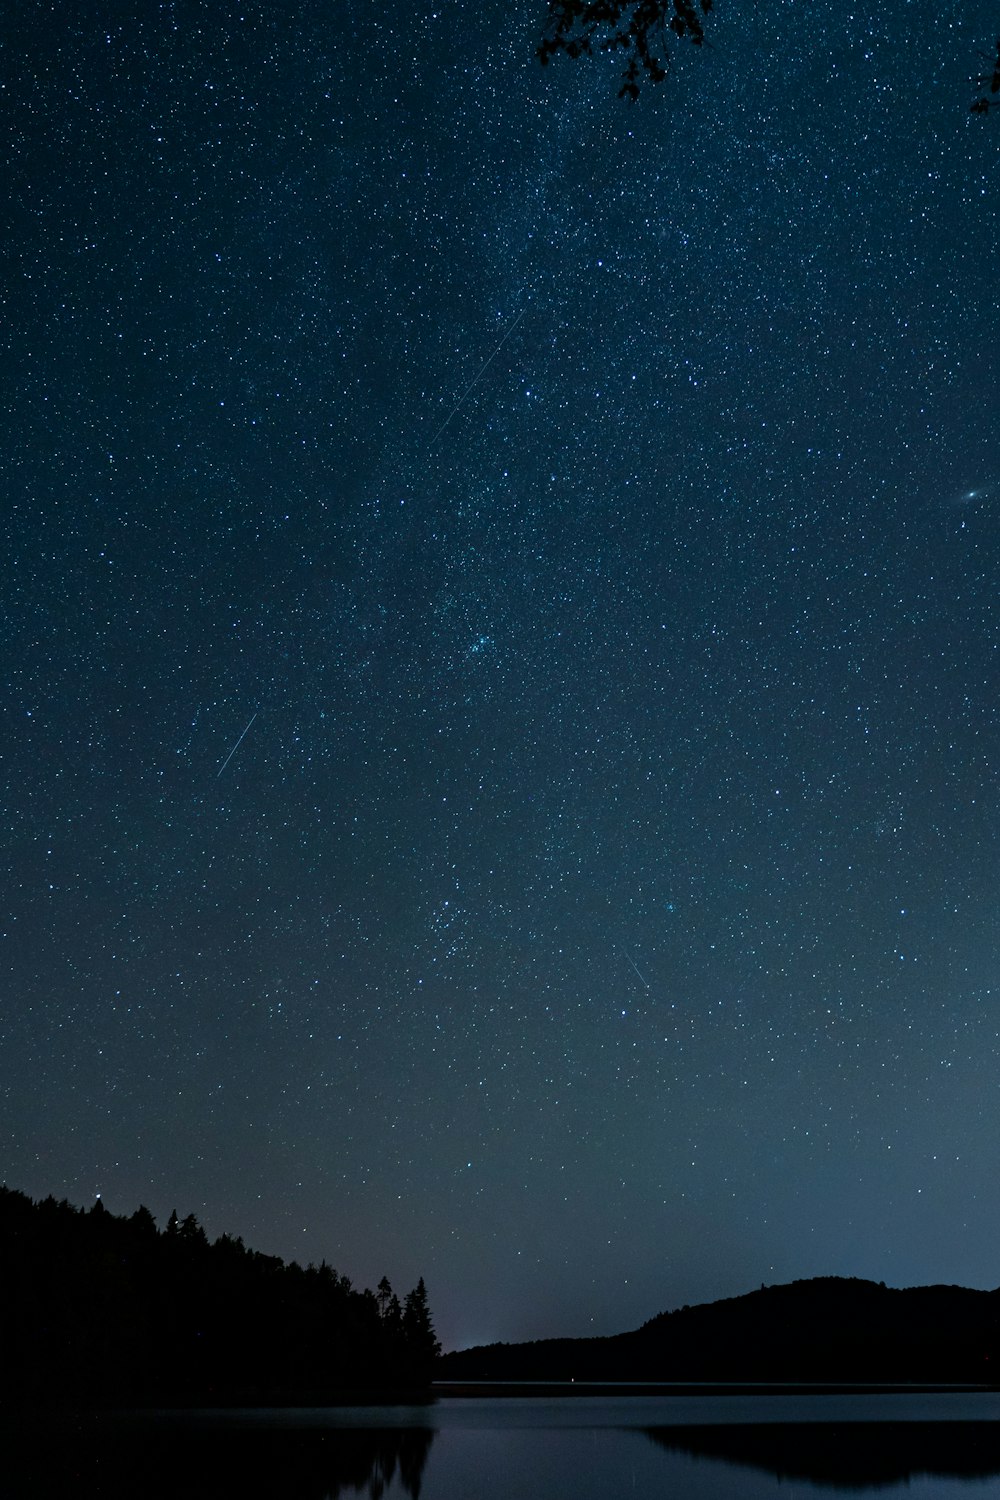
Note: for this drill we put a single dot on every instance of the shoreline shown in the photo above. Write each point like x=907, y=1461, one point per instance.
x=483, y=1389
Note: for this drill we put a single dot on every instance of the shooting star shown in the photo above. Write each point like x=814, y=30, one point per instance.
x=236, y=746
x=636, y=968
x=477, y=377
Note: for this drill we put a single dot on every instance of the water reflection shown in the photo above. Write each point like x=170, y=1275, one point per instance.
x=154, y=1460
x=698, y=1448
x=844, y=1455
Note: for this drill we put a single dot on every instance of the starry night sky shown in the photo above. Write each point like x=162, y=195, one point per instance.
x=592, y=511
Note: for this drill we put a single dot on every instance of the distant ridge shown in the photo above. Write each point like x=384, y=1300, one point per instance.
x=826, y=1329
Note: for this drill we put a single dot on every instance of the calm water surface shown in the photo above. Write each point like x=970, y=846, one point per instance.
x=696, y=1447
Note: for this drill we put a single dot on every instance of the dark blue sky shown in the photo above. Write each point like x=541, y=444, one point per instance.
x=595, y=510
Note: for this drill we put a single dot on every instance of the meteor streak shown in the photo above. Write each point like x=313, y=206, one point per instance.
x=236, y=746
x=478, y=376
x=636, y=968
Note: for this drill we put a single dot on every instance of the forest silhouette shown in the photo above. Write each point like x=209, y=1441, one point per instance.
x=104, y=1310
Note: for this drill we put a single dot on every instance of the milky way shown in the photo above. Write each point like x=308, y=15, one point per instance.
x=599, y=913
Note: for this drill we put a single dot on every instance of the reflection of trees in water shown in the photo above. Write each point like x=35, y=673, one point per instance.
x=368, y=1462
x=848, y=1455
x=154, y=1460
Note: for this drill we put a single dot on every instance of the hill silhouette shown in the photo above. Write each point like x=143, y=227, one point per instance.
x=829, y=1329
x=100, y=1309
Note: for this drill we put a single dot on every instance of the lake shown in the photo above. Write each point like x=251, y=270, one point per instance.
x=700, y=1446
